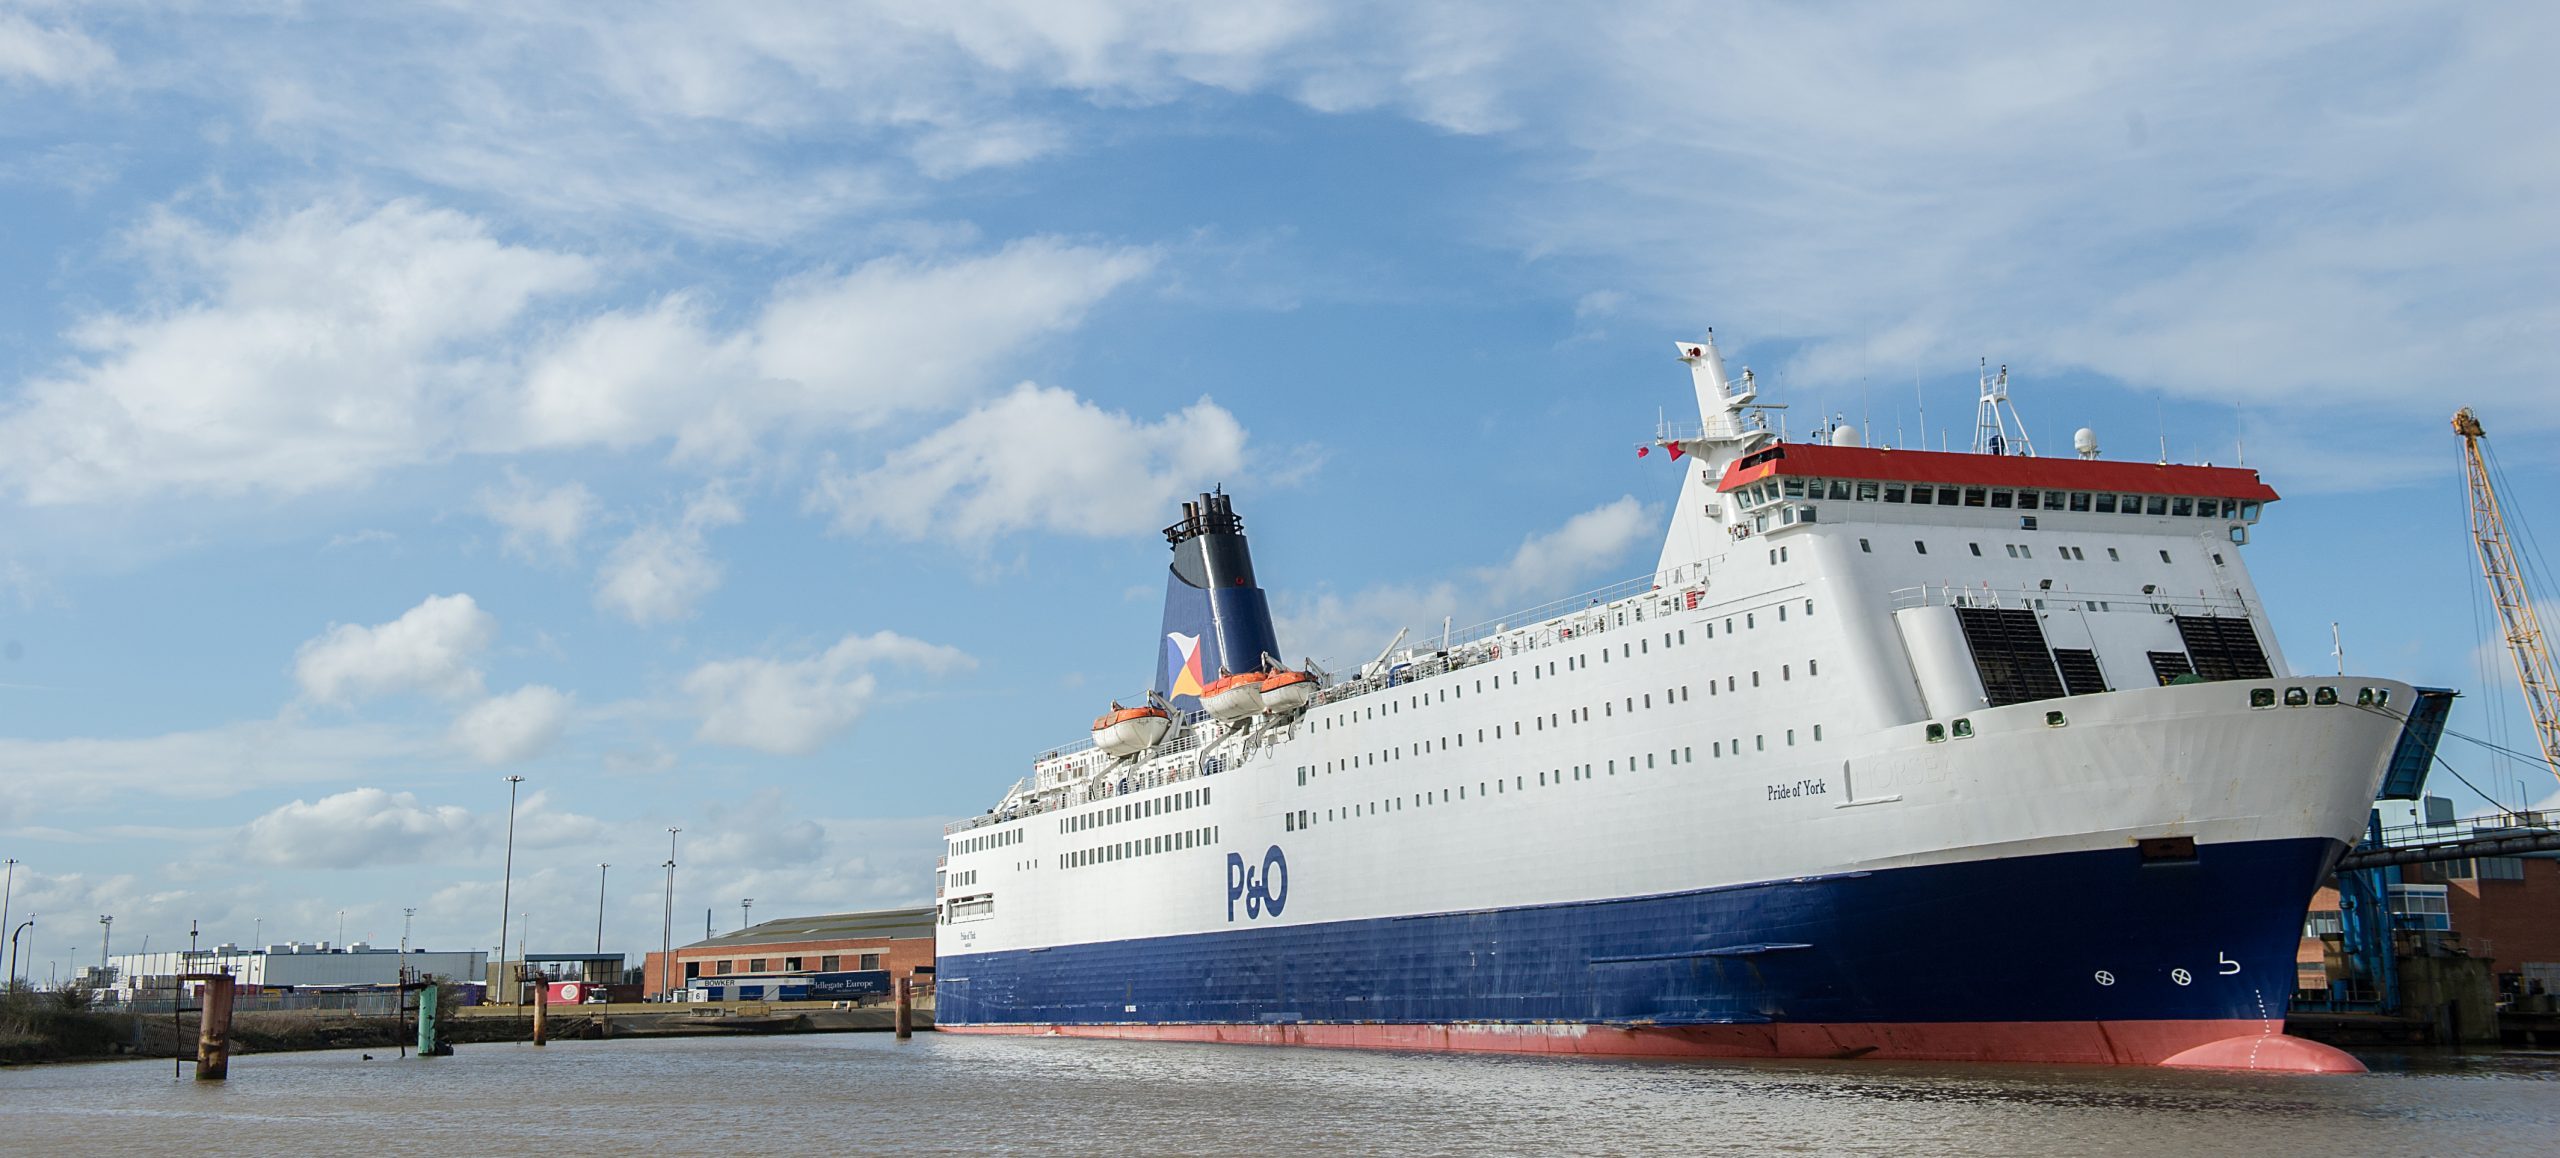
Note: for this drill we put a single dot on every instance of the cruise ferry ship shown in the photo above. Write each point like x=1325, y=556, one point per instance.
x=1895, y=753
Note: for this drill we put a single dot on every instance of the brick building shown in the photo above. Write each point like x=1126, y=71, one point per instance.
x=2503, y=909
x=897, y=940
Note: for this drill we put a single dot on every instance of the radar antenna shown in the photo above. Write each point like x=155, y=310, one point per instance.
x=1996, y=419
x=2535, y=671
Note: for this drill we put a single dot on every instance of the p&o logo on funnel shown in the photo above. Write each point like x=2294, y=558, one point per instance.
x=1185, y=653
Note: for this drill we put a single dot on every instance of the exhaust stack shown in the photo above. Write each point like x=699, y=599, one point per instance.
x=1215, y=620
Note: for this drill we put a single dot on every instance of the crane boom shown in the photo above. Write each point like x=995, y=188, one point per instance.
x=2535, y=671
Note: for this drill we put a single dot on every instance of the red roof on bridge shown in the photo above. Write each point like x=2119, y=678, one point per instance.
x=1947, y=468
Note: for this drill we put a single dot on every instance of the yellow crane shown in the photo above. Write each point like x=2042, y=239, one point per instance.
x=2516, y=615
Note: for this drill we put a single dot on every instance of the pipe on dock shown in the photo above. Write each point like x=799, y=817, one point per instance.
x=906, y=1008
x=541, y=1014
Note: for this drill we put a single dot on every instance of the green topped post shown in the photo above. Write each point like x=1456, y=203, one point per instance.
x=427, y=1022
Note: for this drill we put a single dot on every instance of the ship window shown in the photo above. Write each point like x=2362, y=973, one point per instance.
x=1794, y=487
x=1864, y=548
x=1920, y=547
x=1716, y=749
x=1866, y=492
x=1782, y=613
x=1786, y=671
x=1728, y=683
x=2026, y=552
x=2217, y=558
x=1755, y=679
x=1684, y=635
x=1791, y=737
x=1974, y=496
x=1817, y=733
x=2013, y=550
x=1711, y=687
x=1684, y=693
x=1921, y=496
x=2112, y=557
x=1893, y=492
x=1999, y=499
x=2182, y=507
x=2159, y=505
x=1977, y=547
x=1750, y=620
x=2080, y=500
x=1937, y=732
x=2164, y=556
x=1840, y=489
x=2106, y=504
x=1946, y=496
x=1760, y=743
x=1813, y=667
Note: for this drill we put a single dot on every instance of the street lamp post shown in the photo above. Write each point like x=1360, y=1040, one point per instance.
x=667, y=932
x=8, y=891
x=506, y=887
x=22, y=927
x=600, y=871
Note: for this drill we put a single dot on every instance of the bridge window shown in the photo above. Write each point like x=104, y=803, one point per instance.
x=1999, y=500
x=2106, y=504
x=1975, y=496
x=2182, y=508
x=2080, y=501
x=1893, y=492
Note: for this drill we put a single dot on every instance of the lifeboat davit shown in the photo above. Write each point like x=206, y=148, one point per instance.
x=1287, y=691
x=1128, y=731
x=1234, y=697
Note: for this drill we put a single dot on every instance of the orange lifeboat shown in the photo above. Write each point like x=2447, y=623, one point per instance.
x=1128, y=731
x=1233, y=697
x=1287, y=691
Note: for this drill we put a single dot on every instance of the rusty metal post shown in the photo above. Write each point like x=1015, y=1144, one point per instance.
x=541, y=1013
x=213, y=1029
x=906, y=1008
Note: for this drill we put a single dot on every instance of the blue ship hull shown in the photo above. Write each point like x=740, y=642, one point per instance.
x=2089, y=937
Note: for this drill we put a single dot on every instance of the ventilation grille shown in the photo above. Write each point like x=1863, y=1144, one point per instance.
x=2169, y=665
x=2009, y=652
x=2080, y=674
x=2224, y=647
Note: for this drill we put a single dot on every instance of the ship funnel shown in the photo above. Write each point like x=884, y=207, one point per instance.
x=1216, y=621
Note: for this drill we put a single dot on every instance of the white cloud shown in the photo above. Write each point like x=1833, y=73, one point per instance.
x=793, y=707
x=1037, y=457
x=358, y=828
x=432, y=648
x=40, y=777
x=54, y=56
x=658, y=573
x=540, y=524
x=844, y=351
x=309, y=352
x=1342, y=631
x=516, y=726
x=315, y=350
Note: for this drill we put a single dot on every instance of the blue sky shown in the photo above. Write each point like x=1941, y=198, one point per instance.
x=759, y=423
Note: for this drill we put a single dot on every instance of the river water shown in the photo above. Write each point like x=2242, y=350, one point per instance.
x=850, y=1093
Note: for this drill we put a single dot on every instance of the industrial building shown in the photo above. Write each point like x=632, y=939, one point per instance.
x=298, y=965
x=780, y=959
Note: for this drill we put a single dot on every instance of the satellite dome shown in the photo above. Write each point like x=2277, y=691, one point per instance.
x=1844, y=435
x=2085, y=441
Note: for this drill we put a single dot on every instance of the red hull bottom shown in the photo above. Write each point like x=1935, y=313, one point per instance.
x=2228, y=1044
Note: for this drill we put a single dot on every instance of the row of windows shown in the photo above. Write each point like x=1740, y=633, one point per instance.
x=1142, y=846
x=961, y=880
x=2023, y=551
x=1134, y=810
x=1626, y=650
x=1307, y=773
x=1305, y=818
x=1994, y=498
x=969, y=908
x=828, y=964
x=983, y=843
